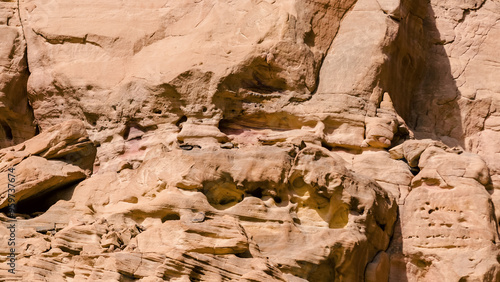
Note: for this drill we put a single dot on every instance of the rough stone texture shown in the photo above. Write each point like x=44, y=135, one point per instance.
x=270, y=140
x=449, y=230
x=51, y=160
x=16, y=115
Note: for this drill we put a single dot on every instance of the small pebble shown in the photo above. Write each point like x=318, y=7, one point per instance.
x=227, y=145
x=199, y=217
x=186, y=147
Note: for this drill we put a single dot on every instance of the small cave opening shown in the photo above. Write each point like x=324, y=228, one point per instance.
x=171, y=216
x=36, y=206
x=326, y=146
x=413, y=170
x=126, y=132
x=309, y=38
x=181, y=120
x=245, y=254
x=257, y=193
x=225, y=201
x=92, y=118
x=133, y=130
x=127, y=278
x=196, y=274
x=7, y=130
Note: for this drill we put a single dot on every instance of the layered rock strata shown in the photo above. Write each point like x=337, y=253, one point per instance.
x=282, y=140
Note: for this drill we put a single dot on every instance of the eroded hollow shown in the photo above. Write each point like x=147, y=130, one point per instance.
x=7, y=130
x=171, y=216
x=222, y=195
x=36, y=206
x=181, y=121
x=257, y=193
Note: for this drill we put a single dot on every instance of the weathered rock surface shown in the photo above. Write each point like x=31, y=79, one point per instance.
x=274, y=140
x=223, y=202
x=53, y=159
x=16, y=115
x=449, y=229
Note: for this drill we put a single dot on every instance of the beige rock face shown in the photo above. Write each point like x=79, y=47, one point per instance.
x=273, y=140
x=223, y=202
x=440, y=218
x=54, y=159
x=16, y=113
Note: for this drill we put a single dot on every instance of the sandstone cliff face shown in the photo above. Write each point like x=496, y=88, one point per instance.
x=16, y=115
x=272, y=140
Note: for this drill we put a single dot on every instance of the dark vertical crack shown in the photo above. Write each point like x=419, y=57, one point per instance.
x=21, y=21
x=31, y=111
x=24, y=37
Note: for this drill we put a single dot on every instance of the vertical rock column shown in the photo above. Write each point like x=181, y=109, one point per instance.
x=16, y=116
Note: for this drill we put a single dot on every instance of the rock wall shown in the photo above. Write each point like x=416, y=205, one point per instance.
x=16, y=114
x=253, y=140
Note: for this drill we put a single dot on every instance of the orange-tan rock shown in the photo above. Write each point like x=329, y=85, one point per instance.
x=273, y=140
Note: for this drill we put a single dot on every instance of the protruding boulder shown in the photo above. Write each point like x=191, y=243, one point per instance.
x=61, y=156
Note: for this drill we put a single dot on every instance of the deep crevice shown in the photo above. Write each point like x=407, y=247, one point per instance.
x=181, y=120
x=30, y=109
x=7, y=130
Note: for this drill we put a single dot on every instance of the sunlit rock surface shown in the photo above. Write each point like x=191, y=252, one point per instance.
x=273, y=140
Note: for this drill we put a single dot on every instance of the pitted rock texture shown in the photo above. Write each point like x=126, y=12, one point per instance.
x=269, y=140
